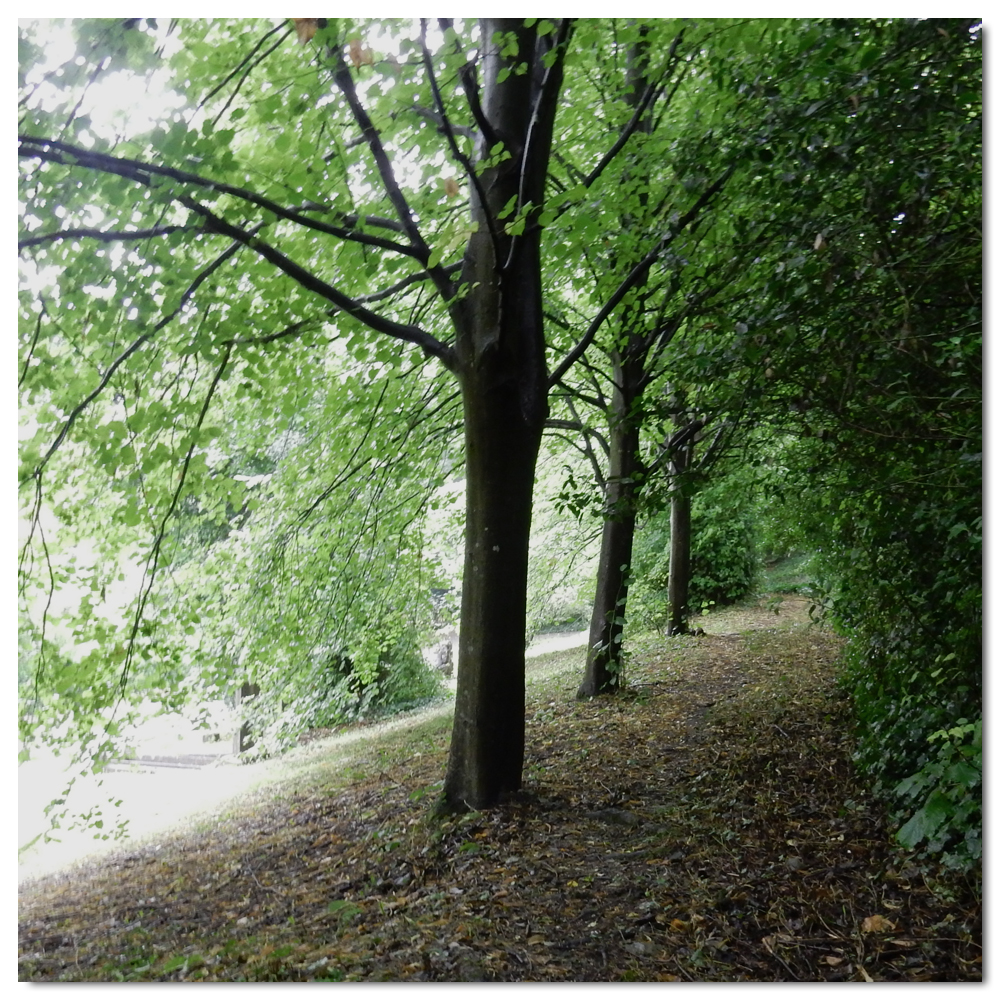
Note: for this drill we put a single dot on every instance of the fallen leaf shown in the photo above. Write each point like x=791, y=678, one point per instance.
x=876, y=923
x=832, y=959
x=638, y=947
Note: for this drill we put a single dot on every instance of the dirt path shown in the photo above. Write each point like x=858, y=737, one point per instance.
x=705, y=826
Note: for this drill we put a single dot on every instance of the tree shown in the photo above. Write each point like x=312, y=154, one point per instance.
x=694, y=137
x=308, y=213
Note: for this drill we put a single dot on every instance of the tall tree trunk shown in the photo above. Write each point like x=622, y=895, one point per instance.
x=500, y=351
x=679, y=580
x=602, y=673
x=487, y=743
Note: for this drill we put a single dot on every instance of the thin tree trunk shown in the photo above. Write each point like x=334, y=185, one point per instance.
x=680, y=545
x=603, y=671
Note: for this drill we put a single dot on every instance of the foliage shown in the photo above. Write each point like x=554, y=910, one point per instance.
x=228, y=295
x=878, y=273
x=947, y=795
x=563, y=551
x=724, y=557
x=390, y=674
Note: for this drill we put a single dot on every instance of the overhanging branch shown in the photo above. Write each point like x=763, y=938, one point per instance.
x=133, y=347
x=380, y=324
x=54, y=151
x=103, y=235
x=345, y=81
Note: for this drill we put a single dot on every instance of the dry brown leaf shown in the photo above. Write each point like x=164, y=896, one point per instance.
x=305, y=28
x=359, y=56
x=876, y=923
x=832, y=959
x=450, y=187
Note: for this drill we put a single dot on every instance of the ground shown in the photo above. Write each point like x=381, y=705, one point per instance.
x=705, y=825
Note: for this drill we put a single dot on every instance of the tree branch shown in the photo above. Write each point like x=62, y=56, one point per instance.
x=350, y=219
x=538, y=140
x=53, y=151
x=628, y=131
x=244, y=62
x=246, y=74
x=442, y=122
x=637, y=274
x=134, y=346
x=34, y=343
x=103, y=235
x=152, y=563
x=296, y=328
x=466, y=163
x=414, y=335
x=577, y=425
x=467, y=74
x=652, y=91
x=344, y=80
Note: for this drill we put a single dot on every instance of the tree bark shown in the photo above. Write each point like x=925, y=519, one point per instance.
x=500, y=351
x=487, y=743
x=680, y=545
x=603, y=671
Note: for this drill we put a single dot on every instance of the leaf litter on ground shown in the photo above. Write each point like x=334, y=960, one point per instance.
x=703, y=825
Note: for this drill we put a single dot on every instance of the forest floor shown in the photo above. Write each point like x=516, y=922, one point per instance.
x=705, y=825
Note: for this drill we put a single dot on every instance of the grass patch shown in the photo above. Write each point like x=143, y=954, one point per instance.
x=792, y=575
